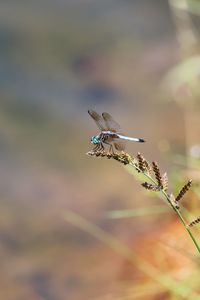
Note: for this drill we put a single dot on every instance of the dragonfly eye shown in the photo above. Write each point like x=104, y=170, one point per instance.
x=94, y=140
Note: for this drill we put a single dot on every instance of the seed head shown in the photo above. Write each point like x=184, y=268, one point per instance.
x=157, y=173
x=150, y=186
x=194, y=222
x=182, y=192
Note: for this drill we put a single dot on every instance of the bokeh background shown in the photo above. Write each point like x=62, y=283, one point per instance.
x=139, y=61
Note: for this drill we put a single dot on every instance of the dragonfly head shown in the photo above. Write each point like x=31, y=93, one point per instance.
x=94, y=140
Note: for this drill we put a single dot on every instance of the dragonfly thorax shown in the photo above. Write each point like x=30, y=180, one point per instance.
x=95, y=140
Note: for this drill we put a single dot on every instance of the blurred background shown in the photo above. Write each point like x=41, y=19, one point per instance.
x=138, y=60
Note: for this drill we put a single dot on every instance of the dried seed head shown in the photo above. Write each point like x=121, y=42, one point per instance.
x=141, y=162
x=164, y=181
x=123, y=158
x=148, y=167
x=96, y=153
x=157, y=174
x=194, y=222
x=150, y=186
x=90, y=153
x=182, y=192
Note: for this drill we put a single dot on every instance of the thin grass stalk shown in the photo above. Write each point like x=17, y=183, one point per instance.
x=126, y=159
x=176, y=210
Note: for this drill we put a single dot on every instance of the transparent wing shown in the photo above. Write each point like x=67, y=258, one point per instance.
x=119, y=145
x=98, y=119
x=110, y=123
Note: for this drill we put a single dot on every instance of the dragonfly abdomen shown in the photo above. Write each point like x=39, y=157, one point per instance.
x=130, y=138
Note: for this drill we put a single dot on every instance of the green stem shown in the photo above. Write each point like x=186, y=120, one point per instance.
x=173, y=207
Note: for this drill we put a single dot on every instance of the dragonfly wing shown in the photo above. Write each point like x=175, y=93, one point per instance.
x=111, y=124
x=98, y=119
x=120, y=145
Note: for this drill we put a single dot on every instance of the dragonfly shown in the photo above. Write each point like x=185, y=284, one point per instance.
x=109, y=133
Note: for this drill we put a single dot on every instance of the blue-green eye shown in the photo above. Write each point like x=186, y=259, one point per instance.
x=94, y=140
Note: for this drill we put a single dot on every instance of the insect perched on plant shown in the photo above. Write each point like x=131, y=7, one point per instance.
x=109, y=133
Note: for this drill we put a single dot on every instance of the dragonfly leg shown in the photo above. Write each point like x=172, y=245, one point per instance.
x=101, y=147
x=110, y=151
x=98, y=147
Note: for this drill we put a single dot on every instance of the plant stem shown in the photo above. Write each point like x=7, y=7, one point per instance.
x=126, y=159
x=172, y=206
